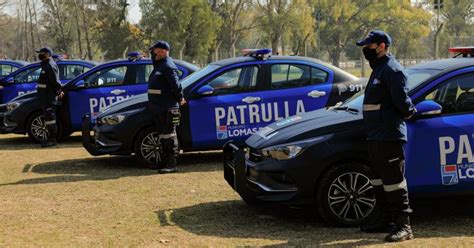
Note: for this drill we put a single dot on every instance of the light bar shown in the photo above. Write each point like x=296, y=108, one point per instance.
x=263, y=53
x=132, y=56
x=57, y=57
x=463, y=50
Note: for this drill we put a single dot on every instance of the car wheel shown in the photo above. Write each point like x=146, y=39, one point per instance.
x=36, y=128
x=148, y=148
x=345, y=195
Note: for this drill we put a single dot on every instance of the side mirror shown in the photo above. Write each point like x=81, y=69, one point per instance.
x=205, y=90
x=80, y=84
x=428, y=107
x=9, y=80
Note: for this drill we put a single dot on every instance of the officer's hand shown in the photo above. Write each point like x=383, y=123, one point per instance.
x=61, y=95
x=183, y=102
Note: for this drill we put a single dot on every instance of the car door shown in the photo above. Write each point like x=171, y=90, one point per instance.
x=232, y=112
x=297, y=88
x=439, y=152
x=103, y=87
x=70, y=71
x=23, y=82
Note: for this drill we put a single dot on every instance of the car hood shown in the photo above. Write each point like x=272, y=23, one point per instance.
x=311, y=124
x=132, y=103
x=25, y=97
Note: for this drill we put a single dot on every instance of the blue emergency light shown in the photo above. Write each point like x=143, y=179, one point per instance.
x=57, y=57
x=263, y=53
x=132, y=56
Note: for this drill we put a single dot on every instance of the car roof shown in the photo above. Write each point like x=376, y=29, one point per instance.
x=443, y=64
x=19, y=63
x=176, y=61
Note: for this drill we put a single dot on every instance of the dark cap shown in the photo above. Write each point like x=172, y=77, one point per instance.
x=45, y=50
x=161, y=44
x=376, y=36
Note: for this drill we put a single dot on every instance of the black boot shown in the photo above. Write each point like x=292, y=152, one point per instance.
x=402, y=231
x=170, y=165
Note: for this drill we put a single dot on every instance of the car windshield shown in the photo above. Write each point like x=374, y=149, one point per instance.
x=415, y=78
x=197, y=75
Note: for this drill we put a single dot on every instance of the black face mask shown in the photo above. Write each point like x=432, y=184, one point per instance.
x=41, y=56
x=370, y=53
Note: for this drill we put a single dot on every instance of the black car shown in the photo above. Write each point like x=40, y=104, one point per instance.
x=228, y=99
x=321, y=157
x=90, y=92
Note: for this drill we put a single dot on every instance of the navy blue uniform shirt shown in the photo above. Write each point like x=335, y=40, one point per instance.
x=164, y=89
x=48, y=85
x=386, y=102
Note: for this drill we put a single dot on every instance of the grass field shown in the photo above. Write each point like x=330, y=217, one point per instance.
x=64, y=197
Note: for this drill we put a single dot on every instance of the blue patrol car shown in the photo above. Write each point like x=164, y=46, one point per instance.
x=24, y=79
x=90, y=92
x=9, y=66
x=227, y=100
x=321, y=157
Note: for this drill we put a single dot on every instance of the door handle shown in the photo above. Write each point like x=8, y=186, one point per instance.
x=251, y=99
x=316, y=93
x=117, y=92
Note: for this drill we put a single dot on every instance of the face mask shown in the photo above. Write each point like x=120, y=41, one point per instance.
x=41, y=56
x=370, y=54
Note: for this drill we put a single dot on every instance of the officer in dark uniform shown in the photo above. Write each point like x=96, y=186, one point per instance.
x=386, y=106
x=165, y=95
x=49, y=92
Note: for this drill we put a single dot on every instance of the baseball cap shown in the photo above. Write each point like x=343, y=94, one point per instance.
x=161, y=44
x=376, y=36
x=45, y=50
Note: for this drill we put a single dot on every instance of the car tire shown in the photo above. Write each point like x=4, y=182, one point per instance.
x=36, y=131
x=341, y=205
x=147, y=148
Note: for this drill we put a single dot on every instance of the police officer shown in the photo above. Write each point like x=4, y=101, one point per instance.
x=386, y=106
x=165, y=95
x=49, y=92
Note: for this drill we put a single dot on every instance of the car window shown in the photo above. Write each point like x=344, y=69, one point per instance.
x=6, y=69
x=236, y=80
x=294, y=75
x=27, y=76
x=68, y=72
x=118, y=75
x=456, y=95
x=144, y=71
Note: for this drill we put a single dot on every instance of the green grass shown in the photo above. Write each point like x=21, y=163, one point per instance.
x=64, y=197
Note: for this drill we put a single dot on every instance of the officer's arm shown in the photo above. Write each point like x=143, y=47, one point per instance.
x=399, y=93
x=52, y=79
x=171, y=75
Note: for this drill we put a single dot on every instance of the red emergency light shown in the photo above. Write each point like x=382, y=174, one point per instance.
x=464, y=51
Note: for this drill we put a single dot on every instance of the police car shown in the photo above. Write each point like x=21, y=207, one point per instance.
x=24, y=80
x=9, y=66
x=91, y=92
x=227, y=100
x=321, y=157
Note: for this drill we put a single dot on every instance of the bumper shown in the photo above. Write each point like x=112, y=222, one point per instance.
x=252, y=183
x=8, y=125
x=97, y=145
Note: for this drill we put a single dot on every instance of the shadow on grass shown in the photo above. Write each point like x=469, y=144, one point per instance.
x=106, y=168
x=235, y=219
x=302, y=227
x=22, y=142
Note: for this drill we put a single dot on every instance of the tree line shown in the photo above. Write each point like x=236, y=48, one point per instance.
x=203, y=31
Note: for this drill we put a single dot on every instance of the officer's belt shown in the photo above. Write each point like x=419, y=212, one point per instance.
x=153, y=91
x=43, y=86
x=371, y=107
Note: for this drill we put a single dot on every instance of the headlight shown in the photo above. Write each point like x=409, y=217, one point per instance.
x=290, y=150
x=113, y=119
x=12, y=105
